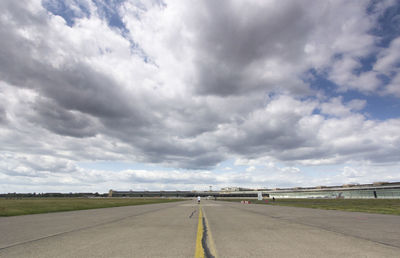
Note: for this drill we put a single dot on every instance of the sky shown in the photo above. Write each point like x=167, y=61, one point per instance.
x=184, y=94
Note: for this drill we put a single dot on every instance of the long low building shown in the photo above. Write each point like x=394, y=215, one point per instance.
x=378, y=190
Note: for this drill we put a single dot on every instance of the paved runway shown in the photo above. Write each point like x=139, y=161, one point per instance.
x=185, y=229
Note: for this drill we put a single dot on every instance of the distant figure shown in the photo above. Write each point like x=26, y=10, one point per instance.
x=273, y=199
x=198, y=199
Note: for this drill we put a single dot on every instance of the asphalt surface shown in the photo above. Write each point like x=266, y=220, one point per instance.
x=171, y=230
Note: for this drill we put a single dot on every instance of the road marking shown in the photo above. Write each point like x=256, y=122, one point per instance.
x=205, y=247
x=199, y=247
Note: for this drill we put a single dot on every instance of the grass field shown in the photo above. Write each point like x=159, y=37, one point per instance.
x=383, y=206
x=12, y=207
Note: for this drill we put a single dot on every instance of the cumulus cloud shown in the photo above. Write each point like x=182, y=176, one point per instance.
x=188, y=85
x=335, y=107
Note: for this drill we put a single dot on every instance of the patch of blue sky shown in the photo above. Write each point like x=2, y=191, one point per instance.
x=108, y=10
x=73, y=9
x=367, y=64
x=137, y=50
x=68, y=10
x=388, y=27
x=319, y=82
x=378, y=107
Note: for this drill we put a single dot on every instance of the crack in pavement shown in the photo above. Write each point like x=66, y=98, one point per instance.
x=191, y=215
x=207, y=252
x=83, y=228
x=329, y=229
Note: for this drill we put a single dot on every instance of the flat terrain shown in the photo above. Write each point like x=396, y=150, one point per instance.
x=171, y=230
x=382, y=206
x=24, y=206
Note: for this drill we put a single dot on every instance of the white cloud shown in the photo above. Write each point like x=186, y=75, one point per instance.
x=250, y=169
x=335, y=107
x=393, y=88
x=189, y=85
x=389, y=58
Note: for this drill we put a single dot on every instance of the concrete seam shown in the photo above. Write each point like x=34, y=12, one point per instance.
x=80, y=229
x=321, y=228
x=211, y=243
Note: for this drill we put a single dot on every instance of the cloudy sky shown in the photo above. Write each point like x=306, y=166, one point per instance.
x=149, y=95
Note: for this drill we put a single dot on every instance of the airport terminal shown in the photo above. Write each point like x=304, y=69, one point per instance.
x=377, y=190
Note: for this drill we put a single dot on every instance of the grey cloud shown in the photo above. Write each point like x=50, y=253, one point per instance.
x=187, y=131
x=207, y=160
x=63, y=122
x=177, y=152
x=243, y=39
x=304, y=153
x=75, y=86
x=75, y=91
x=175, y=178
x=90, y=92
x=3, y=115
x=34, y=165
x=273, y=129
x=20, y=16
x=232, y=42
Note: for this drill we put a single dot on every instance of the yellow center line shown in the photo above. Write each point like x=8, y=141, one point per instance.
x=210, y=246
x=199, y=247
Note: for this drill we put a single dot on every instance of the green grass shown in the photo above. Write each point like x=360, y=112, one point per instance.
x=383, y=206
x=13, y=207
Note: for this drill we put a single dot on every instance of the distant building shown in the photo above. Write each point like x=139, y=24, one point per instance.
x=229, y=189
x=378, y=190
x=235, y=189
